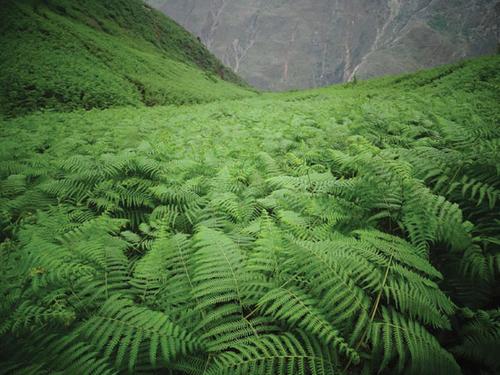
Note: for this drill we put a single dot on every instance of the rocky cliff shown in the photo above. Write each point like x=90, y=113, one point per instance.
x=287, y=44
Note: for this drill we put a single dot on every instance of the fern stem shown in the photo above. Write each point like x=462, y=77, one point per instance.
x=206, y=364
x=374, y=310
x=258, y=305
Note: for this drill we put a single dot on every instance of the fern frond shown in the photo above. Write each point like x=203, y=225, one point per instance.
x=343, y=302
x=479, y=339
x=407, y=343
x=121, y=330
x=286, y=354
x=298, y=309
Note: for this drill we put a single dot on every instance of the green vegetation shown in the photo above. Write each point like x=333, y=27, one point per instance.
x=64, y=55
x=353, y=229
x=346, y=230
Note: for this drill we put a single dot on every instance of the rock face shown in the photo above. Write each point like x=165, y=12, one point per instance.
x=288, y=44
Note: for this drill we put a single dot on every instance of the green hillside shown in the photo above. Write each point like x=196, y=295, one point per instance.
x=64, y=55
x=348, y=230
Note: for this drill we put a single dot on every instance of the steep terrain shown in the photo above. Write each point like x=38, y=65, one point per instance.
x=64, y=55
x=276, y=44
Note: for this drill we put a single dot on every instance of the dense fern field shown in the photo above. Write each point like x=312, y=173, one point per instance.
x=346, y=230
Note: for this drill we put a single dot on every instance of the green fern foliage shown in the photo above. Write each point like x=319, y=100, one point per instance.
x=350, y=230
x=479, y=339
x=285, y=354
x=124, y=331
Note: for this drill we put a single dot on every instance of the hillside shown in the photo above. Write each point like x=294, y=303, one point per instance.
x=279, y=45
x=64, y=55
x=346, y=230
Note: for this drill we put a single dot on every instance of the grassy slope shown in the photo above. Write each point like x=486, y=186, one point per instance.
x=63, y=55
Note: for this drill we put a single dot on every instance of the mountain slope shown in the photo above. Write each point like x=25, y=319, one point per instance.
x=279, y=45
x=64, y=55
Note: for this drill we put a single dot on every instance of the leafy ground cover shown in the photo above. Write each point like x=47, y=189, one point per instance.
x=346, y=230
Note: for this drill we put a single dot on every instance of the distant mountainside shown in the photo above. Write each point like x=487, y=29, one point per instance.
x=65, y=55
x=278, y=44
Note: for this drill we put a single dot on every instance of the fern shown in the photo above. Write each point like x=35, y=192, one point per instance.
x=479, y=339
x=298, y=309
x=285, y=354
x=121, y=330
x=217, y=282
x=417, y=351
x=353, y=231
